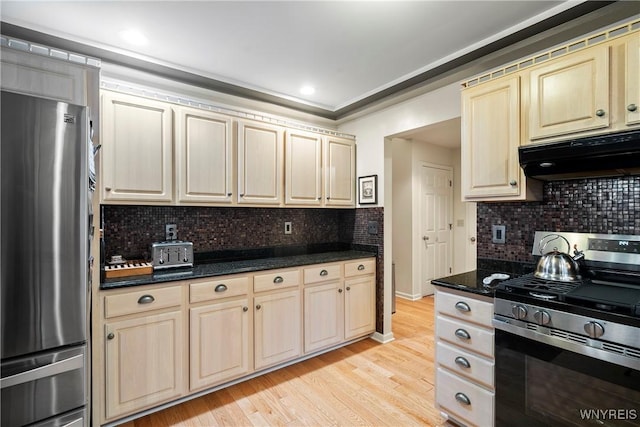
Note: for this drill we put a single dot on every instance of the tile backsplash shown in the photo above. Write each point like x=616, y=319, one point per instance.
x=602, y=205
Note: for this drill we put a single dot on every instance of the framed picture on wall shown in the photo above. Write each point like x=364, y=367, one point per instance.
x=368, y=190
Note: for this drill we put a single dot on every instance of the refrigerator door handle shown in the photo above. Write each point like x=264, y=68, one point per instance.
x=70, y=364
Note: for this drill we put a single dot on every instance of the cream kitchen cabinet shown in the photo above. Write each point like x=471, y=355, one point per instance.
x=490, y=141
x=323, y=306
x=319, y=170
x=204, y=157
x=260, y=163
x=465, y=357
x=137, y=149
x=143, y=349
x=359, y=298
x=570, y=94
x=277, y=317
x=340, y=172
x=631, y=98
x=220, y=345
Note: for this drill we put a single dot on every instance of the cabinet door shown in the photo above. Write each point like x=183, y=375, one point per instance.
x=570, y=94
x=490, y=139
x=260, y=152
x=136, y=149
x=360, y=306
x=143, y=362
x=632, y=81
x=278, y=328
x=204, y=159
x=219, y=343
x=323, y=315
x=303, y=168
x=340, y=172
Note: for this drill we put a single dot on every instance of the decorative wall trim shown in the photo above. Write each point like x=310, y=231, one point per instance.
x=383, y=338
x=42, y=50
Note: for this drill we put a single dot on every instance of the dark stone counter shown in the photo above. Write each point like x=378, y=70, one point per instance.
x=221, y=268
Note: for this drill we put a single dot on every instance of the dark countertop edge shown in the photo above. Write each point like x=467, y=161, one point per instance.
x=234, y=267
x=463, y=288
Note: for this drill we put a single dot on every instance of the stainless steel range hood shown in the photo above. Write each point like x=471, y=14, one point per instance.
x=610, y=155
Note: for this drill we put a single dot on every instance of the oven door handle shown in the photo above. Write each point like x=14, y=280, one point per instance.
x=554, y=341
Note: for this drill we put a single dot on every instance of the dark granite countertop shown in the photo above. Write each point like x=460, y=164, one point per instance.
x=232, y=267
x=471, y=281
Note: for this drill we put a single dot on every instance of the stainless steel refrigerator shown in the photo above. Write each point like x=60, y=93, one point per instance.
x=44, y=261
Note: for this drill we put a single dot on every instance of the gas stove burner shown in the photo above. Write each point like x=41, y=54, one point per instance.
x=531, y=283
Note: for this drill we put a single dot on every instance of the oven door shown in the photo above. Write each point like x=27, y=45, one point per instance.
x=538, y=384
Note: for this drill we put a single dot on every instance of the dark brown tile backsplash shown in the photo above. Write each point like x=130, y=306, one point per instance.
x=603, y=205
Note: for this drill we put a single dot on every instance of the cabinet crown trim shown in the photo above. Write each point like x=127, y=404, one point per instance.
x=570, y=47
x=49, y=52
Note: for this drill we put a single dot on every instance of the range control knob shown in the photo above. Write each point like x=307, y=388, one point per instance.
x=519, y=311
x=594, y=329
x=542, y=317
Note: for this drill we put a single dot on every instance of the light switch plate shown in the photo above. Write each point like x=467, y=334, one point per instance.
x=498, y=234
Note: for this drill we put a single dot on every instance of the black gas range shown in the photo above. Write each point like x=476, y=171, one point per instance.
x=568, y=352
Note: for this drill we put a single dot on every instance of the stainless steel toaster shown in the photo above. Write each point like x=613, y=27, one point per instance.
x=171, y=254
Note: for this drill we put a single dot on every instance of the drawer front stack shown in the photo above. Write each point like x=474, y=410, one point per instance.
x=465, y=357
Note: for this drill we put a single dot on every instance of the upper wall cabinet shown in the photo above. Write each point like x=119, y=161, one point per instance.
x=570, y=94
x=137, y=149
x=340, y=171
x=260, y=156
x=490, y=141
x=319, y=170
x=631, y=102
x=204, y=156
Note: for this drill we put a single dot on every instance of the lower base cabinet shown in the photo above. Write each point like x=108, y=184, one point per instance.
x=158, y=343
x=219, y=343
x=143, y=362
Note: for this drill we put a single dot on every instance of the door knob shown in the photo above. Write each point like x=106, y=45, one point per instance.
x=600, y=113
x=632, y=107
x=473, y=239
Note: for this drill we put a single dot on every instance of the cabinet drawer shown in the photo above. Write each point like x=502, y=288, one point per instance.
x=321, y=273
x=218, y=289
x=463, y=399
x=277, y=279
x=363, y=266
x=468, y=309
x=473, y=338
x=467, y=364
x=142, y=301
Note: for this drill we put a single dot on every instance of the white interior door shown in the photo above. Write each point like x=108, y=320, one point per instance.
x=471, y=251
x=436, y=218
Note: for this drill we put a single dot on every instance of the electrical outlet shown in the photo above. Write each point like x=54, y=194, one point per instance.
x=170, y=232
x=372, y=227
x=287, y=227
x=498, y=234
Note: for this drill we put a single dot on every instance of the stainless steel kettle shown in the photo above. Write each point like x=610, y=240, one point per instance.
x=556, y=265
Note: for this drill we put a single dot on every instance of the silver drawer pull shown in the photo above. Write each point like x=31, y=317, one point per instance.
x=462, y=398
x=463, y=306
x=324, y=272
x=461, y=333
x=361, y=267
x=461, y=361
x=278, y=279
x=146, y=299
x=221, y=288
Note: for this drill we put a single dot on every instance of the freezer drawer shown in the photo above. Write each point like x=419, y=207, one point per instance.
x=38, y=387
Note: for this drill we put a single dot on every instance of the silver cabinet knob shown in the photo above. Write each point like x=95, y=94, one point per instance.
x=462, y=306
x=245, y=308
x=221, y=288
x=348, y=288
x=542, y=317
x=513, y=183
x=258, y=307
x=111, y=336
x=600, y=113
x=594, y=329
x=278, y=279
x=324, y=272
x=473, y=239
x=462, y=362
x=462, y=398
x=461, y=333
x=632, y=107
x=146, y=299
x=340, y=290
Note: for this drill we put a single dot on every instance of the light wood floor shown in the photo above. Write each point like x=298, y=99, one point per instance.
x=365, y=384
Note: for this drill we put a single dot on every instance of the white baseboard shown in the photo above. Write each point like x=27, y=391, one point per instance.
x=383, y=338
x=410, y=297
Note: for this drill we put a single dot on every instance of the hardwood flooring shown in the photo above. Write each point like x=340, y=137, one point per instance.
x=363, y=384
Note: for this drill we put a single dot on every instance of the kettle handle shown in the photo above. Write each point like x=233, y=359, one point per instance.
x=554, y=237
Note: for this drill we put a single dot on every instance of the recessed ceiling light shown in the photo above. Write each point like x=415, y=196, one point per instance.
x=134, y=37
x=307, y=90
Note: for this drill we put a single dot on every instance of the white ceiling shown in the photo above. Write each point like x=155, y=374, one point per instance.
x=347, y=50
